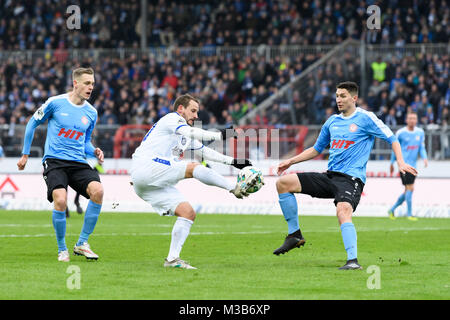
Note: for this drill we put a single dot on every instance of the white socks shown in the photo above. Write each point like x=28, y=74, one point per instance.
x=180, y=232
x=211, y=178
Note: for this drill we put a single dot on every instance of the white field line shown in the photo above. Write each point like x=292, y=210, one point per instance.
x=114, y=234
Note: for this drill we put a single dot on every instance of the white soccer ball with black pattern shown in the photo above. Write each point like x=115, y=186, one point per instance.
x=250, y=175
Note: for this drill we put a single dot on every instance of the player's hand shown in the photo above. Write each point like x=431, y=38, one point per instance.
x=425, y=162
x=241, y=163
x=22, y=162
x=404, y=167
x=99, y=154
x=391, y=169
x=282, y=166
x=228, y=132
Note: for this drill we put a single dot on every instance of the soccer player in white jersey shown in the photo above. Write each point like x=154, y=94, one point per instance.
x=350, y=135
x=157, y=166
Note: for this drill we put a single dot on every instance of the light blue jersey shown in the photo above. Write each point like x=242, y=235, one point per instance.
x=351, y=139
x=413, y=145
x=69, y=129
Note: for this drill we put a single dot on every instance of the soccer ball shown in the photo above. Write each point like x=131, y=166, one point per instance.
x=248, y=173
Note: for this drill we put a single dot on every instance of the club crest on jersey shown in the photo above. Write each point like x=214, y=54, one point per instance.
x=353, y=127
x=84, y=120
x=183, y=140
x=39, y=114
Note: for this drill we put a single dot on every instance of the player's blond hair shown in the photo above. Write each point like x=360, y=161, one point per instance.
x=78, y=72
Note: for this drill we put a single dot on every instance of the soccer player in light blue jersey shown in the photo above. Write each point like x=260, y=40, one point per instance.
x=71, y=120
x=412, y=141
x=350, y=135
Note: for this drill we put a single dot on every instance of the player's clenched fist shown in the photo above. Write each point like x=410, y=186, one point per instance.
x=22, y=162
x=99, y=154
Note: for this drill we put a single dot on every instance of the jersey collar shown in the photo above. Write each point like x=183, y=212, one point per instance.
x=350, y=116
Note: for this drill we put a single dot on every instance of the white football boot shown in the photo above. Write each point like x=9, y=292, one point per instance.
x=248, y=183
x=238, y=192
x=63, y=256
x=178, y=263
x=85, y=250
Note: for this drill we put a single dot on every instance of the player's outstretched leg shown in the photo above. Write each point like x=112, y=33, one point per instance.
x=82, y=247
x=288, y=204
x=180, y=232
x=212, y=178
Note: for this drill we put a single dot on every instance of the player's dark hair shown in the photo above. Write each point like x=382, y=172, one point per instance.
x=350, y=86
x=184, y=101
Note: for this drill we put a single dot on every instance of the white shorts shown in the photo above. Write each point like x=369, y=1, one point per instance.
x=154, y=183
x=163, y=200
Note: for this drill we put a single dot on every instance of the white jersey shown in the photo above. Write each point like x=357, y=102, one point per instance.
x=159, y=162
x=162, y=141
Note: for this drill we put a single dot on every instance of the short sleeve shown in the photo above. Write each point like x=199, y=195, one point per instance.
x=324, y=137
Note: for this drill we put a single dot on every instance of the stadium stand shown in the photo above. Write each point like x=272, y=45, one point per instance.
x=139, y=88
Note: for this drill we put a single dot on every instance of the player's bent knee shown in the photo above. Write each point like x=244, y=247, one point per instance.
x=95, y=191
x=185, y=210
x=190, y=169
x=344, y=211
x=288, y=183
x=59, y=199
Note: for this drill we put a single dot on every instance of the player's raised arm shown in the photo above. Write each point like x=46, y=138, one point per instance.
x=206, y=153
x=198, y=133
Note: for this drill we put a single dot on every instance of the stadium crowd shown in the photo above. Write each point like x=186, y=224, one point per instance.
x=28, y=24
x=140, y=90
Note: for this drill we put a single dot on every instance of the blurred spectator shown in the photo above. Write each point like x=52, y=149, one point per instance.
x=141, y=89
x=379, y=69
x=112, y=24
x=390, y=118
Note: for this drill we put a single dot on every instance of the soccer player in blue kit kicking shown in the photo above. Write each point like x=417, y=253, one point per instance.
x=412, y=140
x=71, y=120
x=350, y=135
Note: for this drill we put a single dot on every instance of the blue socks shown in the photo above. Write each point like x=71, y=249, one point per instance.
x=399, y=202
x=59, y=224
x=350, y=240
x=288, y=205
x=90, y=220
x=408, y=197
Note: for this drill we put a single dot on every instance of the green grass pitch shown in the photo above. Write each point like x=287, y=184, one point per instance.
x=233, y=254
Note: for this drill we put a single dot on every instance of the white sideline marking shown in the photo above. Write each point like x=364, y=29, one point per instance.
x=305, y=231
x=18, y=225
x=39, y=235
